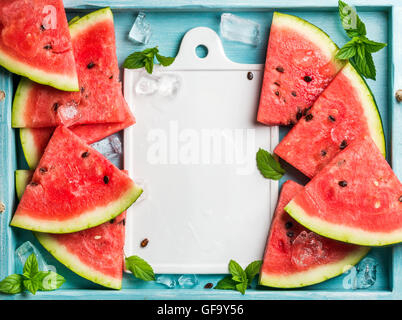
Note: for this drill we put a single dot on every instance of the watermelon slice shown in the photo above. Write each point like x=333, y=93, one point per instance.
x=300, y=64
x=74, y=188
x=296, y=257
x=35, y=42
x=100, y=99
x=356, y=198
x=96, y=253
x=35, y=140
x=345, y=111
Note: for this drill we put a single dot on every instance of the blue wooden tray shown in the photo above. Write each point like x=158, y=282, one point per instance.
x=169, y=23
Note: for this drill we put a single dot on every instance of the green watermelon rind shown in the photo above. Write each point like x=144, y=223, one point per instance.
x=315, y=275
x=31, y=152
x=311, y=32
x=78, y=25
x=84, y=221
x=19, y=103
x=72, y=262
x=372, y=113
x=22, y=178
x=342, y=232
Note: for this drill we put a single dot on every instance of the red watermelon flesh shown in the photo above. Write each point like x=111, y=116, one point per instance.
x=96, y=254
x=73, y=188
x=35, y=140
x=100, y=99
x=295, y=256
x=344, y=112
x=300, y=63
x=356, y=198
x=35, y=42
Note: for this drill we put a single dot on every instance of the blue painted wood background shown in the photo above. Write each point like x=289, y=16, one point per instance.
x=170, y=20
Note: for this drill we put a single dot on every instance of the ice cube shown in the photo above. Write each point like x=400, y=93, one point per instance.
x=147, y=85
x=24, y=251
x=68, y=113
x=141, y=31
x=366, y=273
x=115, y=142
x=307, y=249
x=168, y=85
x=187, y=281
x=111, y=148
x=168, y=280
x=238, y=29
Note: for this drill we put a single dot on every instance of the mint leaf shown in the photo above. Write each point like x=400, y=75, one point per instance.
x=30, y=267
x=241, y=287
x=165, y=61
x=140, y=268
x=252, y=270
x=349, y=50
x=145, y=59
x=237, y=272
x=351, y=22
x=373, y=46
x=48, y=280
x=135, y=60
x=268, y=166
x=226, y=283
x=12, y=284
x=31, y=285
x=364, y=63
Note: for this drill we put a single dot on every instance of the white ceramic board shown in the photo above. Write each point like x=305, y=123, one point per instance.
x=204, y=200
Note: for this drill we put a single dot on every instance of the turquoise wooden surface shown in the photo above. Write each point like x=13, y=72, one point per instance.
x=170, y=20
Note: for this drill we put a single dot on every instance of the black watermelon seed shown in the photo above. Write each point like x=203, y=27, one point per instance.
x=343, y=145
x=111, y=77
x=55, y=106
x=112, y=221
x=277, y=83
x=290, y=234
x=294, y=93
x=250, y=75
x=124, y=222
x=42, y=27
x=85, y=154
x=331, y=118
x=323, y=153
x=280, y=69
x=307, y=79
x=90, y=65
x=343, y=183
x=209, y=285
x=400, y=199
x=306, y=110
x=309, y=117
x=288, y=224
x=33, y=184
x=42, y=170
x=82, y=89
x=106, y=179
x=48, y=47
x=299, y=114
x=277, y=93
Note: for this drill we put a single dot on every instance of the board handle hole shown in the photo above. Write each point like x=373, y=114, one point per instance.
x=201, y=51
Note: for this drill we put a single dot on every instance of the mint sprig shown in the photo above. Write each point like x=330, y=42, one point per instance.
x=32, y=279
x=359, y=48
x=268, y=166
x=140, y=268
x=145, y=59
x=239, y=279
